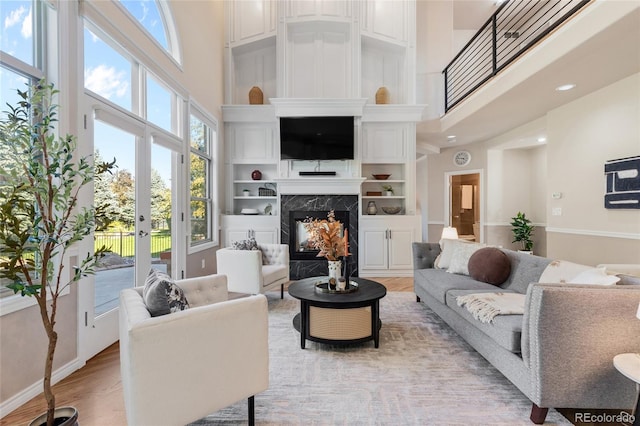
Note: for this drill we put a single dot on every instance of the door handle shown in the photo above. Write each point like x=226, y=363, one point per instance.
x=141, y=218
x=142, y=233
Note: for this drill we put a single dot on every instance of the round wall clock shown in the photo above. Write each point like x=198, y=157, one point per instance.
x=462, y=158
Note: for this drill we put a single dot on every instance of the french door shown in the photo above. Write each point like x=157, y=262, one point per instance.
x=139, y=199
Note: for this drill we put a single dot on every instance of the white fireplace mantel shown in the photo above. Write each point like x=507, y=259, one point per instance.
x=300, y=107
x=320, y=185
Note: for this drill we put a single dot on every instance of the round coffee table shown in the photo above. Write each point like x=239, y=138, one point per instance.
x=338, y=318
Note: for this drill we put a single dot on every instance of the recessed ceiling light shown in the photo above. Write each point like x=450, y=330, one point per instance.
x=451, y=138
x=565, y=87
x=542, y=139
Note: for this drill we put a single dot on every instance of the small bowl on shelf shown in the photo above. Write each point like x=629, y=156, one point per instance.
x=381, y=176
x=391, y=210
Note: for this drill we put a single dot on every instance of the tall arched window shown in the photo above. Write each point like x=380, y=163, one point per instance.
x=156, y=19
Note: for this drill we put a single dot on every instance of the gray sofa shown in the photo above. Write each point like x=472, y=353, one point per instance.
x=559, y=353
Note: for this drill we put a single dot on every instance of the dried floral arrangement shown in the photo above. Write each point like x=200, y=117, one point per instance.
x=324, y=235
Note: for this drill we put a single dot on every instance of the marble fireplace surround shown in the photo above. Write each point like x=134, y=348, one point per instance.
x=310, y=202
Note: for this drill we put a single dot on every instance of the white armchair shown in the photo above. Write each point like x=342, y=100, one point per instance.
x=180, y=367
x=255, y=271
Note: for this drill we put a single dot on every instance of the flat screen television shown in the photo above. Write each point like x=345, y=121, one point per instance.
x=316, y=138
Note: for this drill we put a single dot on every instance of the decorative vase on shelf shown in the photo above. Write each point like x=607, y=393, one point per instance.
x=372, y=208
x=256, y=175
x=382, y=95
x=255, y=96
x=335, y=270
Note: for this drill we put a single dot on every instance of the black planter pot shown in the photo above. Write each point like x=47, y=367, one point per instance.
x=64, y=416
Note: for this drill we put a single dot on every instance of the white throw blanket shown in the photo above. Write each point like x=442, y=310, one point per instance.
x=485, y=306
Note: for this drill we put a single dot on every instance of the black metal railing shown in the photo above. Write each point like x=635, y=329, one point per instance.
x=516, y=26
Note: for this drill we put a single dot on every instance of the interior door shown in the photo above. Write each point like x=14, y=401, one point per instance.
x=464, y=204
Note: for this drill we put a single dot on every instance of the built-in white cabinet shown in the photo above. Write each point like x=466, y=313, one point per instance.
x=385, y=245
x=317, y=9
x=320, y=62
x=387, y=20
x=384, y=143
x=333, y=56
x=266, y=230
x=250, y=143
x=251, y=20
x=250, y=147
x=376, y=190
x=388, y=148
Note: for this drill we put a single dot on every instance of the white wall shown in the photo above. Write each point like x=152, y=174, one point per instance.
x=583, y=135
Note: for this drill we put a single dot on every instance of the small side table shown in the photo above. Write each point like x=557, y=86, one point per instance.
x=629, y=366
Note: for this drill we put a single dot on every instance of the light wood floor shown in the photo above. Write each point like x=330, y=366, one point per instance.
x=96, y=391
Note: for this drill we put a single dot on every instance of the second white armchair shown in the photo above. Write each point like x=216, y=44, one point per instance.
x=255, y=271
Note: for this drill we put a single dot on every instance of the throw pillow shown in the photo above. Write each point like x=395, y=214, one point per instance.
x=161, y=295
x=448, y=248
x=594, y=276
x=490, y=265
x=460, y=258
x=249, y=244
x=626, y=279
x=561, y=271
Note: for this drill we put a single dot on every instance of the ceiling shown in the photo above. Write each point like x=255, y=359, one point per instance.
x=592, y=51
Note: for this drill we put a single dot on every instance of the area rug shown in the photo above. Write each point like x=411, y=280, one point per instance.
x=422, y=374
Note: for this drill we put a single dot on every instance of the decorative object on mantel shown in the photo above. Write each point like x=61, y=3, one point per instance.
x=382, y=95
x=381, y=176
x=623, y=183
x=372, y=208
x=324, y=235
x=255, y=96
x=256, y=175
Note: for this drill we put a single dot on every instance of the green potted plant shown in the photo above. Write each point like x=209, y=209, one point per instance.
x=40, y=218
x=388, y=189
x=522, y=231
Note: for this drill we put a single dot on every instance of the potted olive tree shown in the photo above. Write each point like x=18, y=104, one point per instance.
x=40, y=218
x=522, y=231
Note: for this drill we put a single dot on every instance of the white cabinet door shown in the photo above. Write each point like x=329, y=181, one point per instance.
x=373, y=251
x=266, y=235
x=386, y=20
x=237, y=234
x=262, y=235
x=250, y=143
x=252, y=20
x=295, y=9
x=383, y=143
x=400, y=255
x=265, y=229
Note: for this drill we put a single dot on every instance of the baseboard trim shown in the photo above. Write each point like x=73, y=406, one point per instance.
x=35, y=389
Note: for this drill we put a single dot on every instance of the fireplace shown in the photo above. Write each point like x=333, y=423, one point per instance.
x=299, y=248
x=296, y=208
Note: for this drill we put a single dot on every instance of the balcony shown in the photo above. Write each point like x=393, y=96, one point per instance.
x=596, y=47
x=512, y=30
